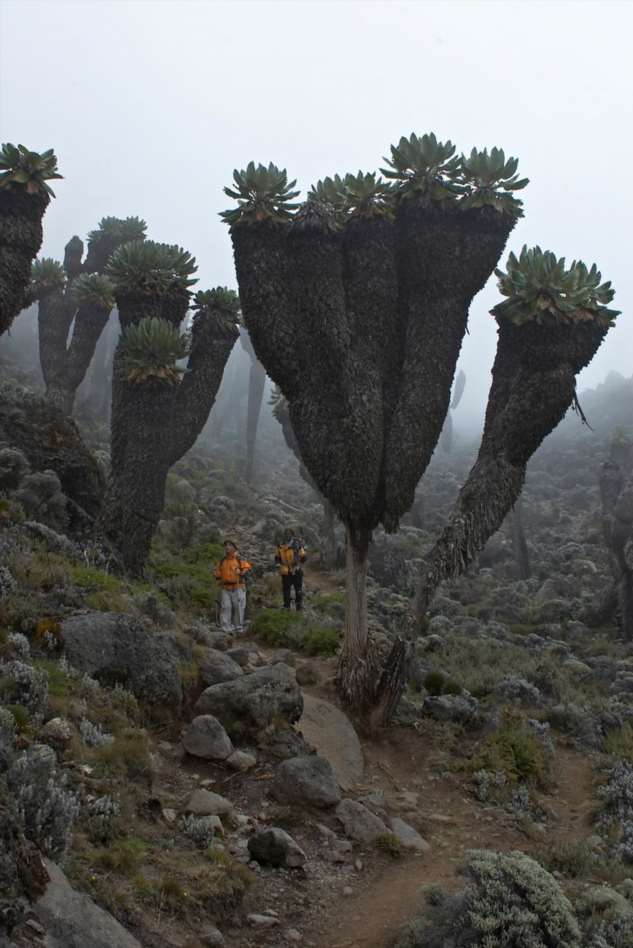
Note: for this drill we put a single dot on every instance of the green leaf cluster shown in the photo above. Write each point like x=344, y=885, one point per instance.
x=118, y=230
x=46, y=275
x=424, y=167
x=262, y=193
x=93, y=289
x=26, y=169
x=361, y=194
x=144, y=266
x=540, y=288
x=220, y=299
x=150, y=350
x=489, y=179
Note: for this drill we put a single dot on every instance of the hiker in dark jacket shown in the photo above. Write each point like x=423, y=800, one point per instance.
x=290, y=558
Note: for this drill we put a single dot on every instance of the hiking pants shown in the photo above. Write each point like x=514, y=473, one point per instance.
x=287, y=582
x=232, y=609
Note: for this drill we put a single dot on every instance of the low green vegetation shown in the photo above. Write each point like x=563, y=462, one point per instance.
x=282, y=628
x=389, y=844
x=189, y=582
x=514, y=751
x=437, y=683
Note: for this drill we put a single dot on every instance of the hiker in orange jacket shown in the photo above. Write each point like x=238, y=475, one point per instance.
x=231, y=573
x=290, y=558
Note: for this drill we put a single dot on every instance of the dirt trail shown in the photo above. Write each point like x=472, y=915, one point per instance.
x=372, y=916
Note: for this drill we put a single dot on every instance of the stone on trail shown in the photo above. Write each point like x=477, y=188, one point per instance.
x=208, y=803
x=205, y=737
x=332, y=734
x=249, y=704
x=241, y=760
x=306, y=780
x=217, y=666
x=359, y=823
x=408, y=836
x=277, y=848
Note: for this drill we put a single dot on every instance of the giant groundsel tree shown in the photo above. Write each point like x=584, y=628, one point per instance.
x=24, y=197
x=550, y=325
x=616, y=493
x=357, y=303
x=158, y=407
x=256, y=386
x=76, y=296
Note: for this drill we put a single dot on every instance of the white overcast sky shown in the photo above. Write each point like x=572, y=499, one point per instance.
x=150, y=105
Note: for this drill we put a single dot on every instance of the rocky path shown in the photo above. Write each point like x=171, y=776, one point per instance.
x=371, y=917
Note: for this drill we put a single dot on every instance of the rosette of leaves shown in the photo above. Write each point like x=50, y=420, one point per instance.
x=367, y=195
x=490, y=180
x=330, y=193
x=21, y=168
x=123, y=230
x=424, y=167
x=46, y=275
x=150, y=349
x=220, y=298
x=93, y=289
x=540, y=288
x=262, y=193
x=144, y=266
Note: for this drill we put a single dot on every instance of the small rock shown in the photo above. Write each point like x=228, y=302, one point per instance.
x=276, y=847
x=240, y=760
x=169, y=815
x=205, y=737
x=358, y=822
x=58, y=732
x=408, y=836
x=212, y=937
x=293, y=935
x=218, y=666
x=306, y=780
x=348, y=890
x=207, y=803
x=262, y=921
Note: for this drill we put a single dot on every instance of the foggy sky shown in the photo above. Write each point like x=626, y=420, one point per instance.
x=150, y=105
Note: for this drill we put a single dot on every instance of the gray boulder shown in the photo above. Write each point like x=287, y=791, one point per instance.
x=216, y=667
x=250, y=703
x=408, y=836
x=207, y=803
x=358, y=822
x=306, y=780
x=277, y=848
x=115, y=648
x=205, y=737
x=72, y=920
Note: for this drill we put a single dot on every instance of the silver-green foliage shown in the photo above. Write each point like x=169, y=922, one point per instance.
x=93, y=289
x=46, y=275
x=424, y=166
x=509, y=900
x=30, y=170
x=539, y=287
x=490, y=181
x=220, y=298
x=144, y=266
x=262, y=193
x=150, y=349
x=121, y=230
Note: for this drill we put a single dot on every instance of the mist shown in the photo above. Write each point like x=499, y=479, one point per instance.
x=151, y=106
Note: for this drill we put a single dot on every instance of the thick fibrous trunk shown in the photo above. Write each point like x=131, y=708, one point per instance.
x=519, y=543
x=256, y=385
x=361, y=331
x=154, y=424
x=64, y=365
x=20, y=240
x=616, y=491
x=356, y=674
x=533, y=385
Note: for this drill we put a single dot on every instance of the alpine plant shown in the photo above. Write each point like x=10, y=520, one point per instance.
x=356, y=303
x=24, y=196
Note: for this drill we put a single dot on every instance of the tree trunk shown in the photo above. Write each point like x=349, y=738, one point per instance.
x=20, y=240
x=330, y=533
x=133, y=504
x=519, y=543
x=533, y=385
x=355, y=678
x=256, y=385
x=61, y=397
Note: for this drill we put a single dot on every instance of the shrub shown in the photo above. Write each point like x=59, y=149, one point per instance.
x=102, y=820
x=199, y=829
x=7, y=738
x=92, y=735
x=509, y=900
x=619, y=743
x=514, y=751
x=390, y=844
x=272, y=626
x=127, y=755
x=124, y=856
x=24, y=685
x=41, y=798
x=321, y=640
